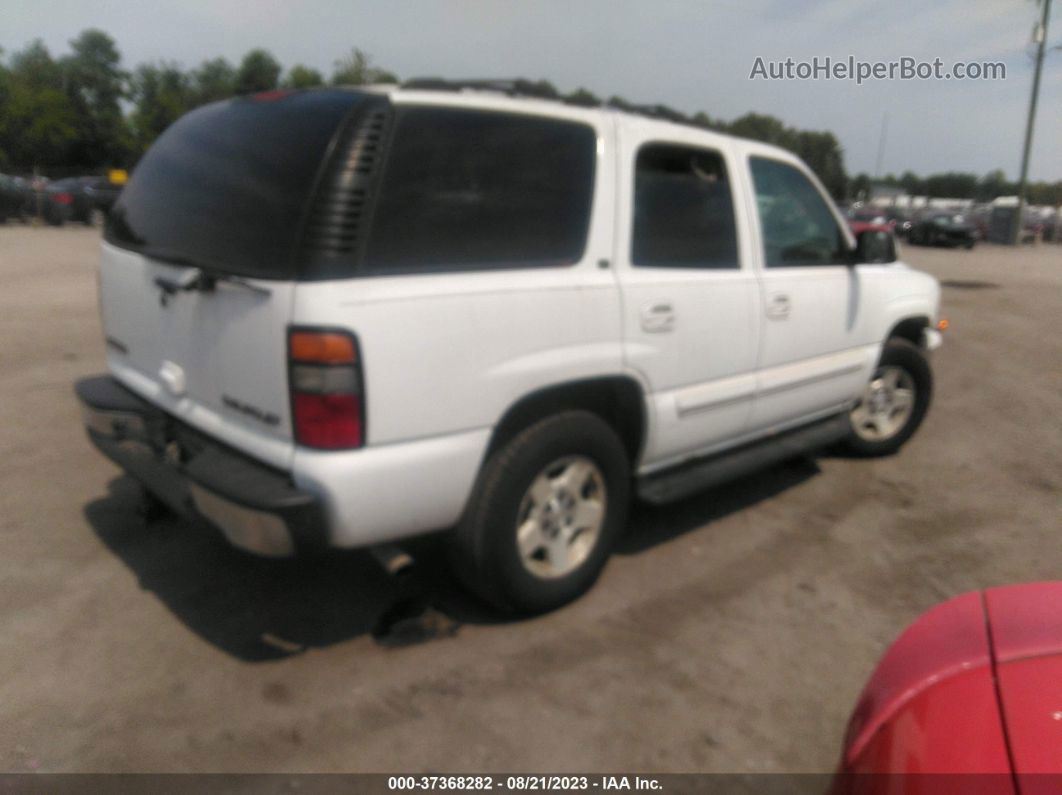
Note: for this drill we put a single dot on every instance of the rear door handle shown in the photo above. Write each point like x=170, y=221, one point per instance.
x=778, y=306
x=658, y=317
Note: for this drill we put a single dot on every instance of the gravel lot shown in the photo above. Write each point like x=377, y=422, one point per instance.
x=733, y=632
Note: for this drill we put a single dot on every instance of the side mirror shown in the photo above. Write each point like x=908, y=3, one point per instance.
x=876, y=246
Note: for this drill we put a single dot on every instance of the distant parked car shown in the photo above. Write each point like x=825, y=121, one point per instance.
x=15, y=197
x=974, y=686
x=900, y=219
x=869, y=215
x=51, y=202
x=102, y=192
x=85, y=198
x=943, y=229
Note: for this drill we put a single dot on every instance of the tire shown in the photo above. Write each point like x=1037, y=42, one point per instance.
x=561, y=471
x=880, y=423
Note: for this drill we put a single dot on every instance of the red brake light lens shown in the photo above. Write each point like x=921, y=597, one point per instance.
x=327, y=409
x=64, y=198
x=328, y=422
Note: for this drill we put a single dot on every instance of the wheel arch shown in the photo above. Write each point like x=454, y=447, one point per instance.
x=910, y=328
x=617, y=399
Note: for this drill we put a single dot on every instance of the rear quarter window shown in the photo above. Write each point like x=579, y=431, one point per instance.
x=478, y=190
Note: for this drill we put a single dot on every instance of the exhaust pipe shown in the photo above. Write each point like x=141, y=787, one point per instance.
x=396, y=562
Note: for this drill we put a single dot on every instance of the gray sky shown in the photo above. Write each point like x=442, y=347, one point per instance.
x=690, y=54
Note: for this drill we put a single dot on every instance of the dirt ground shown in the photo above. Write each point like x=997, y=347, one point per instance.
x=732, y=632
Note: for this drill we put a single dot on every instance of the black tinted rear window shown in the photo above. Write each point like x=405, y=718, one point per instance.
x=474, y=190
x=683, y=210
x=225, y=186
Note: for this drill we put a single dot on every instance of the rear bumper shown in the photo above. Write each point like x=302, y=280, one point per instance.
x=256, y=507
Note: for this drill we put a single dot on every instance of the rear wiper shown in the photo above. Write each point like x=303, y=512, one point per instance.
x=205, y=282
x=192, y=279
x=197, y=277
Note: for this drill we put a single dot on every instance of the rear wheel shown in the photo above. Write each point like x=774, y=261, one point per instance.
x=545, y=514
x=894, y=402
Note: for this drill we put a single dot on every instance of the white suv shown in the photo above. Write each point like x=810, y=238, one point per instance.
x=339, y=318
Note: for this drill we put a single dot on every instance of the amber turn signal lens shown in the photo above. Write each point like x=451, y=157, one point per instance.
x=942, y=324
x=324, y=348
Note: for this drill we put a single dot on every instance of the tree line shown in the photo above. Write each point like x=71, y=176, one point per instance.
x=83, y=112
x=961, y=185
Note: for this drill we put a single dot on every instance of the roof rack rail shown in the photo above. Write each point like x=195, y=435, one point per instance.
x=512, y=87
x=530, y=88
x=652, y=111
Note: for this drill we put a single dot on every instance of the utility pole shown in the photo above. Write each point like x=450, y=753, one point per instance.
x=881, y=144
x=1041, y=44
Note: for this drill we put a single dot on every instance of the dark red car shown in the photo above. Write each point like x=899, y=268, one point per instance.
x=968, y=699
x=867, y=217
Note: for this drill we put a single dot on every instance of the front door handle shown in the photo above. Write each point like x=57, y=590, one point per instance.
x=778, y=306
x=658, y=317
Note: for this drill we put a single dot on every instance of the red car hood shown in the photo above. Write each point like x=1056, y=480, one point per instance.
x=973, y=686
x=1026, y=632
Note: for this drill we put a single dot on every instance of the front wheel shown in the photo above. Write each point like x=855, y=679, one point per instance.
x=545, y=514
x=893, y=403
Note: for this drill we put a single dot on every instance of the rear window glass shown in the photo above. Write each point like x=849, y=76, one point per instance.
x=475, y=190
x=224, y=187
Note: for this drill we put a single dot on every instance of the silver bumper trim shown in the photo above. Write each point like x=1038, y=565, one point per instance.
x=255, y=531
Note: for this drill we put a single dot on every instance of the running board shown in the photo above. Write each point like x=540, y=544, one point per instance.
x=689, y=478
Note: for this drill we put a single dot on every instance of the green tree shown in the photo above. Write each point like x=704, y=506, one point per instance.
x=259, y=71
x=212, y=80
x=536, y=88
x=583, y=98
x=994, y=184
x=1046, y=193
x=95, y=83
x=760, y=127
x=703, y=120
x=859, y=187
x=38, y=128
x=952, y=185
x=822, y=153
x=161, y=94
x=35, y=67
x=357, y=69
x=912, y=184
x=5, y=97
x=820, y=150
x=303, y=77
x=37, y=125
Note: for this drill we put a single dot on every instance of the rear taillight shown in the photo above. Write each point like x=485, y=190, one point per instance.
x=64, y=198
x=327, y=406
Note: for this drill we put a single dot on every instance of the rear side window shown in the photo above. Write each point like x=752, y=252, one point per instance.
x=224, y=188
x=478, y=190
x=683, y=209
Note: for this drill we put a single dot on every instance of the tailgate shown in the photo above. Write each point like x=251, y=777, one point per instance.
x=201, y=259
x=215, y=358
